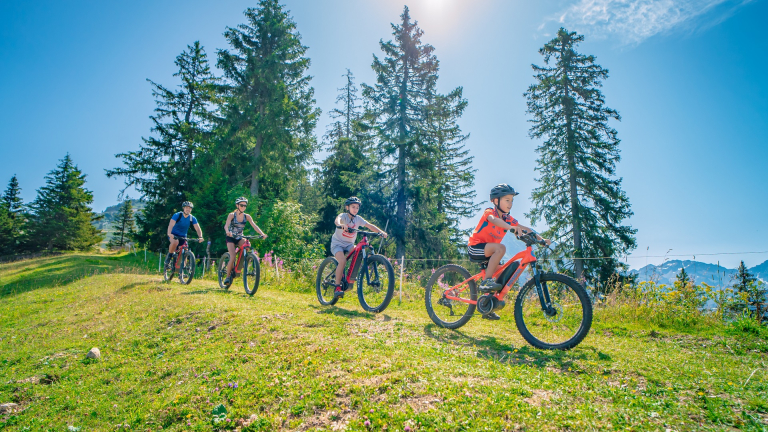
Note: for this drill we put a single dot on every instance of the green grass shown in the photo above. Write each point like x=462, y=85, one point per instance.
x=170, y=353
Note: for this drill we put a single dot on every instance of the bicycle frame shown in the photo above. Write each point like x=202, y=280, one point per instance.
x=179, y=249
x=354, y=264
x=240, y=253
x=526, y=258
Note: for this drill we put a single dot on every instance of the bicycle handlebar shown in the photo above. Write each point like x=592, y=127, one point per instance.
x=186, y=238
x=365, y=233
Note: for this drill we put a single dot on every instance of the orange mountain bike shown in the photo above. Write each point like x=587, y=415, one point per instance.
x=552, y=310
x=246, y=262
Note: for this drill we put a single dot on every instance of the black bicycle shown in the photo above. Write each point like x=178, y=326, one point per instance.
x=183, y=261
x=375, y=283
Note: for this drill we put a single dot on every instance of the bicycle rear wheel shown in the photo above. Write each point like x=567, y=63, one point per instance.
x=446, y=312
x=376, y=284
x=187, y=267
x=223, y=270
x=570, y=321
x=326, y=275
x=251, y=274
x=170, y=268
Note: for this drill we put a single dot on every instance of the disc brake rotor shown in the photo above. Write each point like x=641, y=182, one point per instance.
x=557, y=316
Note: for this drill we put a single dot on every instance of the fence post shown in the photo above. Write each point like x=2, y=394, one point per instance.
x=159, y=260
x=145, y=253
x=402, y=266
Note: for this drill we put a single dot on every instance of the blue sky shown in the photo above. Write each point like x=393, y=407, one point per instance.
x=687, y=76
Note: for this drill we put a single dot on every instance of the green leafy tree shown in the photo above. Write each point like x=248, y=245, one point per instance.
x=12, y=218
x=61, y=217
x=579, y=197
x=397, y=113
x=124, y=226
x=268, y=109
x=163, y=170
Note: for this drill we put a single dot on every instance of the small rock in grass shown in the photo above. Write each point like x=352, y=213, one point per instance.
x=8, y=407
x=212, y=328
x=94, y=353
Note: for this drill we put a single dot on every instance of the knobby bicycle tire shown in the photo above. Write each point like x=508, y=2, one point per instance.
x=322, y=287
x=379, y=262
x=251, y=273
x=223, y=269
x=585, y=319
x=189, y=272
x=433, y=288
x=168, y=272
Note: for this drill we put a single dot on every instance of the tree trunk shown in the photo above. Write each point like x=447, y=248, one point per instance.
x=578, y=265
x=257, y=156
x=400, y=225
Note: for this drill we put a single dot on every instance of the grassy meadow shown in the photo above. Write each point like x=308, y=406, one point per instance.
x=197, y=358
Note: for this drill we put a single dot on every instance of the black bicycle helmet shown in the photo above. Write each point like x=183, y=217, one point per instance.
x=501, y=190
x=187, y=204
x=353, y=200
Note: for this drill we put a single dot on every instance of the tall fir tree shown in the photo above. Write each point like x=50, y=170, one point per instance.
x=742, y=279
x=61, y=217
x=348, y=170
x=268, y=108
x=12, y=218
x=397, y=112
x=446, y=185
x=579, y=197
x=124, y=227
x=163, y=170
x=683, y=278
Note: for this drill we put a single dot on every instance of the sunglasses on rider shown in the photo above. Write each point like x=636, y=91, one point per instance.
x=242, y=205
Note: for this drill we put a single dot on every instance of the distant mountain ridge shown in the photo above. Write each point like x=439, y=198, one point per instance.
x=110, y=214
x=712, y=274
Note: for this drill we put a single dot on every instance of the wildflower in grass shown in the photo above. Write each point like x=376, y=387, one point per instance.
x=235, y=386
x=367, y=423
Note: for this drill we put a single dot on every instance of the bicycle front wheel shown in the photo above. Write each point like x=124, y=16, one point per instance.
x=251, y=274
x=170, y=268
x=566, y=325
x=326, y=275
x=445, y=312
x=223, y=270
x=187, y=267
x=376, y=284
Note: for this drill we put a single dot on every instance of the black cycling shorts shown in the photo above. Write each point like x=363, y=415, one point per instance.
x=182, y=242
x=234, y=240
x=477, y=251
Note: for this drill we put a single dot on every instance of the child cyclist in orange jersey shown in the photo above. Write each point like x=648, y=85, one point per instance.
x=485, y=241
x=343, y=241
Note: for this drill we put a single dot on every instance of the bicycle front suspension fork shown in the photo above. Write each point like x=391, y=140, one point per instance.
x=543, y=291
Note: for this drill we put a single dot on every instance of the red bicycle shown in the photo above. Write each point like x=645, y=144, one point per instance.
x=375, y=283
x=183, y=261
x=552, y=310
x=247, y=263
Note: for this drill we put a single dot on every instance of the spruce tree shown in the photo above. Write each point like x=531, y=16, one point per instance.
x=12, y=218
x=61, y=217
x=268, y=110
x=397, y=112
x=743, y=278
x=164, y=170
x=579, y=197
x=683, y=278
x=124, y=226
x=447, y=183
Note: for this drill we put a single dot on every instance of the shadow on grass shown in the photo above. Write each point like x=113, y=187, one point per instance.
x=488, y=347
x=347, y=313
x=55, y=271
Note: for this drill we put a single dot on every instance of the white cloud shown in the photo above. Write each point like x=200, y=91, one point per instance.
x=633, y=21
